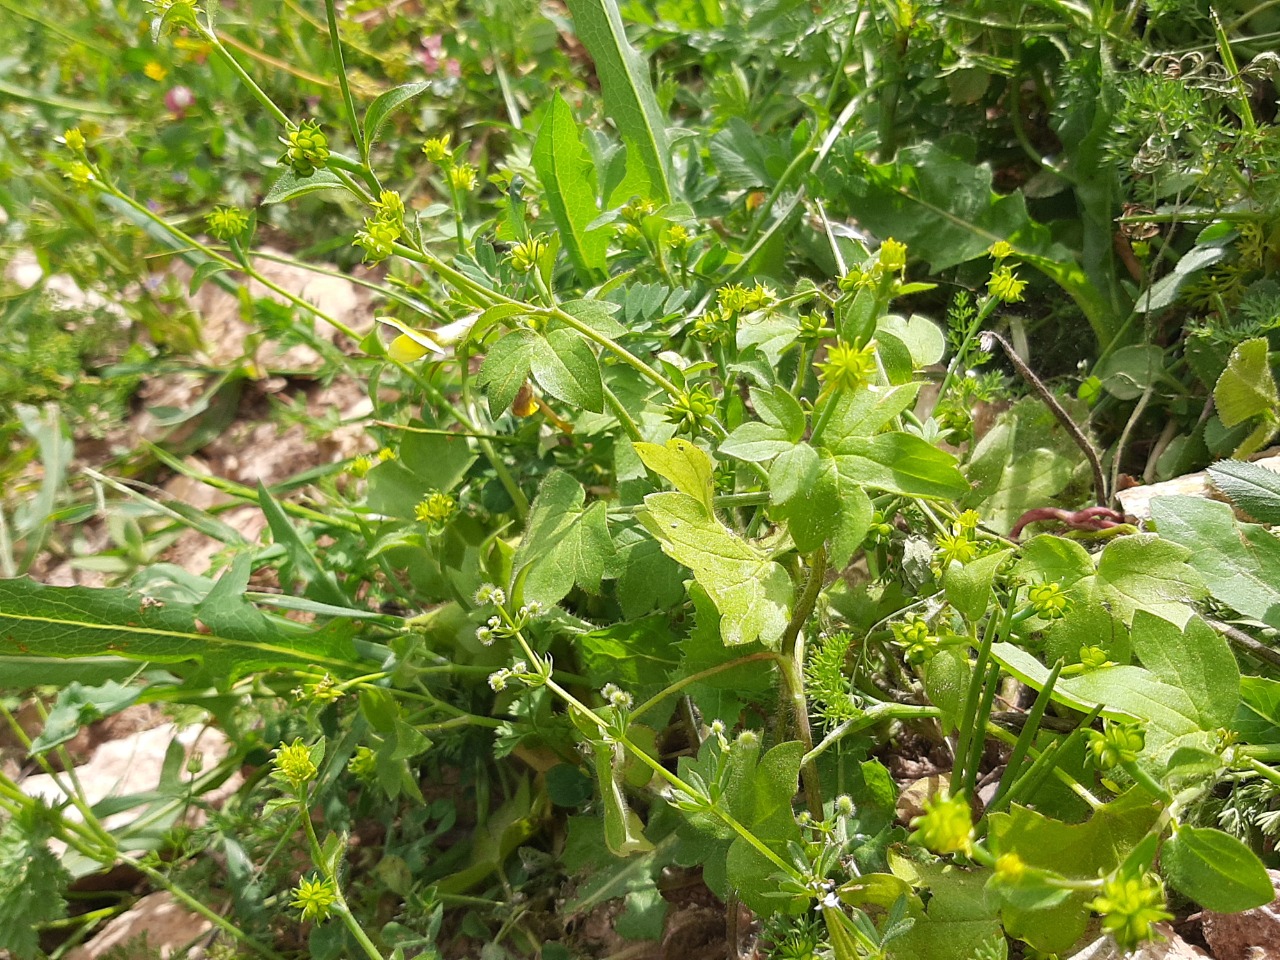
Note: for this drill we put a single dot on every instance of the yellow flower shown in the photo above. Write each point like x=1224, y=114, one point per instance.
x=946, y=826
x=1000, y=250
x=462, y=178
x=80, y=173
x=295, y=763
x=893, y=256
x=1049, y=601
x=1010, y=867
x=436, y=149
x=848, y=368
x=435, y=509
x=315, y=897
x=155, y=70
x=1130, y=907
x=1005, y=285
x=74, y=140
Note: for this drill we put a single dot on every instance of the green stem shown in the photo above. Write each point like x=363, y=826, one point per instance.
x=256, y=91
x=876, y=713
x=223, y=924
x=340, y=907
x=792, y=669
x=357, y=137
x=1027, y=735
x=624, y=417
x=698, y=677
x=621, y=352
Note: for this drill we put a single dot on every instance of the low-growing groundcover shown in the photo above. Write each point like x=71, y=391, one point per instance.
x=750, y=385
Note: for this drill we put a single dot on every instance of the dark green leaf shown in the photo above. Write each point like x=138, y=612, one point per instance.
x=77, y=706
x=628, y=93
x=1215, y=870
x=565, y=366
x=506, y=367
x=903, y=464
x=83, y=622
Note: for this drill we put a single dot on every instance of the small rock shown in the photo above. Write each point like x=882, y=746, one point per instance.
x=1136, y=501
x=1251, y=935
x=155, y=926
x=1172, y=947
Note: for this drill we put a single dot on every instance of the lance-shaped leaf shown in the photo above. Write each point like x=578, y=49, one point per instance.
x=629, y=99
x=229, y=637
x=751, y=592
x=567, y=176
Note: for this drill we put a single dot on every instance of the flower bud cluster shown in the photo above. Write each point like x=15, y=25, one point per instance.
x=306, y=148
x=692, y=410
x=531, y=676
x=383, y=229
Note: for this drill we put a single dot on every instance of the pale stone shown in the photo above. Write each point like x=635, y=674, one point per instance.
x=155, y=926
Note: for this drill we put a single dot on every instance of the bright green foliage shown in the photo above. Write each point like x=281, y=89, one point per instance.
x=569, y=177
x=1216, y=870
x=751, y=592
x=32, y=881
x=628, y=95
x=1030, y=909
x=667, y=508
x=1239, y=562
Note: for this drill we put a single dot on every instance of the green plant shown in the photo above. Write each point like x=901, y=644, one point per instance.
x=661, y=532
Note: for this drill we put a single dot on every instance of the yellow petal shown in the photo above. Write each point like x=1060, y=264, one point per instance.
x=406, y=349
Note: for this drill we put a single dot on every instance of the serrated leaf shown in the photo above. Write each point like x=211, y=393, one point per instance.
x=386, y=104
x=751, y=592
x=1077, y=851
x=566, y=367
x=629, y=99
x=763, y=805
x=792, y=472
x=968, y=587
x=683, y=464
x=863, y=413
x=828, y=507
x=290, y=186
x=76, y=706
x=1246, y=388
x=1146, y=572
x=1196, y=660
x=32, y=884
x=505, y=369
x=564, y=166
x=564, y=543
x=1253, y=488
x=1215, y=870
x=320, y=583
